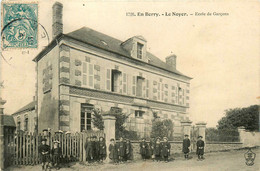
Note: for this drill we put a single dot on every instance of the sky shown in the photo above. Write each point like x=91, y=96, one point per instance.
x=220, y=53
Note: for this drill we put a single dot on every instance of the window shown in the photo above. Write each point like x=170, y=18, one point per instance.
x=159, y=91
x=139, y=113
x=139, y=50
x=18, y=126
x=85, y=119
x=26, y=124
x=88, y=75
x=139, y=86
x=115, y=81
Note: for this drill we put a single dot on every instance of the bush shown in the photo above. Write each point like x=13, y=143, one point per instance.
x=222, y=135
x=162, y=129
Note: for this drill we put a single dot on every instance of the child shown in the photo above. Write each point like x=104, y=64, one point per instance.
x=95, y=146
x=185, y=146
x=200, y=148
x=166, y=146
x=157, y=149
x=143, y=148
x=151, y=148
x=44, y=151
x=102, y=149
x=113, y=151
x=121, y=150
x=88, y=150
x=129, y=150
x=56, y=154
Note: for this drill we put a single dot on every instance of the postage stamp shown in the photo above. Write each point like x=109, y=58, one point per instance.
x=20, y=25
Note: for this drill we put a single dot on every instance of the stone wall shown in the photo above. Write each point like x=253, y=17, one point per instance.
x=176, y=148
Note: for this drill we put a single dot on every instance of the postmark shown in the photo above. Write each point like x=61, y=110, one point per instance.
x=20, y=25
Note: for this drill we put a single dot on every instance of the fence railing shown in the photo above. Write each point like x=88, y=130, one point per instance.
x=22, y=148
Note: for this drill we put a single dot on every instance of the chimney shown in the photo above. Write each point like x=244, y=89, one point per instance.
x=57, y=25
x=171, y=61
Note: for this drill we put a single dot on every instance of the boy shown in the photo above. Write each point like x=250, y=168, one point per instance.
x=150, y=148
x=88, y=150
x=113, y=151
x=102, y=149
x=95, y=147
x=200, y=148
x=121, y=149
x=143, y=148
x=185, y=147
x=157, y=149
x=56, y=154
x=129, y=150
x=44, y=151
x=166, y=146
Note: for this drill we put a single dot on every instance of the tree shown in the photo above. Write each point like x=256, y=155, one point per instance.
x=98, y=119
x=162, y=128
x=247, y=117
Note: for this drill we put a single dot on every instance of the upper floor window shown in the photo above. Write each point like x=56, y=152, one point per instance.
x=140, y=50
x=88, y=75
x=26, y=124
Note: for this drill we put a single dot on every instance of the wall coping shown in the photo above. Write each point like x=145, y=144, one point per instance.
x=178, y=142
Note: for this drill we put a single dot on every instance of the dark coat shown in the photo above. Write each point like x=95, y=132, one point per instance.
x=102, y=148
x=185, y=146
x=121, y=149
x=143, y=148
x=166, y=147
x=157, y=149
x=95, y=149
x=113, y=152
x=129, y=151
x=150, y=148
x=200, y=147
x=44, y=149
x=89, y=149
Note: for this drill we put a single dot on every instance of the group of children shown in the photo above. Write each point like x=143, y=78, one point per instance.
x=96, y=150
x=157, y=150
x=120, y=152
x=49, y=156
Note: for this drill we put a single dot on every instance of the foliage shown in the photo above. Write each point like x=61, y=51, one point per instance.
x=162, y=128
x=247, y=117
x=222, y=135
x=98, y=119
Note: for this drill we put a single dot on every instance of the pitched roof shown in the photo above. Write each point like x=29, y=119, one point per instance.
x=27, y=107
x=106, y=42
x=9, y=121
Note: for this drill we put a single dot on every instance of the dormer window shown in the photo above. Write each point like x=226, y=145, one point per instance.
x=140, y=50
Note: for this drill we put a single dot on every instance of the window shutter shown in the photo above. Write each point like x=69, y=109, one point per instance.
x=84, y=74
x=91, y=75
x=134, y=86
x=108, y=80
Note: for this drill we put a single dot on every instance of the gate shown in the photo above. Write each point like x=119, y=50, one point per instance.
x=22, y=148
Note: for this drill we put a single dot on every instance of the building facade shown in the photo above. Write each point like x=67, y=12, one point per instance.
x=25, y=118
x=86, y=69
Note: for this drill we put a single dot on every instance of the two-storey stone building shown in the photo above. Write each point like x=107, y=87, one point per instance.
x=86, y=69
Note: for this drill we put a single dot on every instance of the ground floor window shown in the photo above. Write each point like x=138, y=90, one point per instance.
x=139, y=113
x=86, y=116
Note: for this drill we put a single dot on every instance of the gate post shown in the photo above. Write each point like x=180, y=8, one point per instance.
x=2, y=102
x=109, y=130
x=186, y=126
x=201, y=129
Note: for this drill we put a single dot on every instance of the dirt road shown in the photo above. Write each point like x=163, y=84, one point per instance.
x=218, y=161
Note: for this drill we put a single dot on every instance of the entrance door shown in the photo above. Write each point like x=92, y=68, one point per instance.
x=85, y=118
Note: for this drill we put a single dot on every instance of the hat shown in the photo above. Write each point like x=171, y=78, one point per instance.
x=112, y=139
x=165, y=138
x=186, y=135
x=44, y=130
x=59, y=131
x=44, y=139
x=200, y=136
x=56, y=141
x=68, y=132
